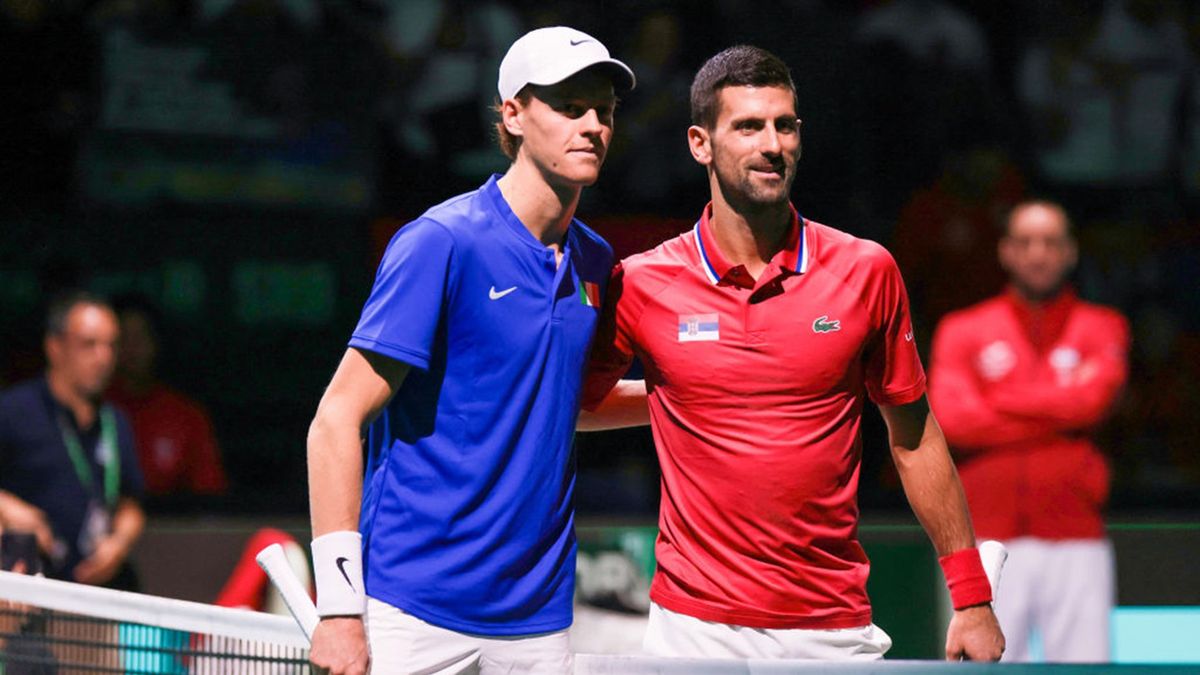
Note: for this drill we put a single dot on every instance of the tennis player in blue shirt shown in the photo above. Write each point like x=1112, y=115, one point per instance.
x=456, y=553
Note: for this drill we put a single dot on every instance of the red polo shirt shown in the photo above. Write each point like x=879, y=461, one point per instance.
x=756, y=391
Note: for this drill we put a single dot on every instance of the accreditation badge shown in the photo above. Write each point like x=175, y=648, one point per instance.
x=95, y=527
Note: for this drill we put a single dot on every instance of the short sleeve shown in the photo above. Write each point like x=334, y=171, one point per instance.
x=401, y=316
x=894, y=375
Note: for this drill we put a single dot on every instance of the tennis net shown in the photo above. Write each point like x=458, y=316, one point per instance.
x=49, y=626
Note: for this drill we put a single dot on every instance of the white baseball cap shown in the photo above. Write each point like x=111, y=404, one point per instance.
x=550, y=55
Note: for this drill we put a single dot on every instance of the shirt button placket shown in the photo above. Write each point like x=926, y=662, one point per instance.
x=553, y=280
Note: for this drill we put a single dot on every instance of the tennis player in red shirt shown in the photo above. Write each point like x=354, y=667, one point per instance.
x=1020, y=382
x=762, y=334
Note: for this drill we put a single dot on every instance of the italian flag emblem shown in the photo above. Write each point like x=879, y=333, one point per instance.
x=589, y=293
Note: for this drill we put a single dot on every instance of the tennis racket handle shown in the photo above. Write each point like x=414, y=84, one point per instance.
x=993, y=554
x=274, y=562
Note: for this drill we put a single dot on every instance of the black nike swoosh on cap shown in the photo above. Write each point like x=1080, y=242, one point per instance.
x=576, y=43
x=341, y=562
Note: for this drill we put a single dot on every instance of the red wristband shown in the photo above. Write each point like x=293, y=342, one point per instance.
x=965, y=578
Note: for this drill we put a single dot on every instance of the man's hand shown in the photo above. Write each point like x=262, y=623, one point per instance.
x=974, y=635
x=339, y=646
x=19, y=515
x=100, y=567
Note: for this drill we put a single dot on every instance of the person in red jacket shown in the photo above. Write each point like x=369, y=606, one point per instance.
x=176, y=445
x=1019, y=383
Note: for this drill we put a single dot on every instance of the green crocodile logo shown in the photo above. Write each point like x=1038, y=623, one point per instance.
x=824, y=325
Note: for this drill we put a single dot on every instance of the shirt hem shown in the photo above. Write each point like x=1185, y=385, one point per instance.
x=467, y=627
x=412, y=358
x=706, y=612
x=1058, y=535
x=904, y=396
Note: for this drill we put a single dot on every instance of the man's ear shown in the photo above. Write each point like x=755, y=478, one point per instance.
x=510, y=116
x=52, y=344
x=799, y=139
x=700, y=143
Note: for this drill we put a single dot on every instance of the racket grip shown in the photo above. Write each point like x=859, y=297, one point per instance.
x=274, y=562
x=993, y=554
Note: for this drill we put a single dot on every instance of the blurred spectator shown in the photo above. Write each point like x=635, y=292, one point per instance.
x=928, y=31
x=948, y=231
x=1101, y=89
x=176, y=446
x=923, y=86
x=649, y=161
x=68, y=472
x=1020, y=383
x=441, y=119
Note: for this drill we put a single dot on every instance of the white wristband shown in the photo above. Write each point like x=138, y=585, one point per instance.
x=337, y=566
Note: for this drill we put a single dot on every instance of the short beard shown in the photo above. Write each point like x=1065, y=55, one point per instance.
x=745, y=197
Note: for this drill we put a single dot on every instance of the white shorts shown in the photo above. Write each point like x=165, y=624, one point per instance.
x=679, y=635
x=402, y=643
x=1062, y=590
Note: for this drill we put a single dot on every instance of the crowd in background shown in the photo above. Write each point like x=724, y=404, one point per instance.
x=923, y=121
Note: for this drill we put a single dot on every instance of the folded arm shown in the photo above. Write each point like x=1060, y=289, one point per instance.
x=969, y=418
x=1081, y=402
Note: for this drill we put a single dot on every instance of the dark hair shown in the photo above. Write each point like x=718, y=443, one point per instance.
x=61, y=305
x=509, y=144
x=742, y=65
x=140, y=303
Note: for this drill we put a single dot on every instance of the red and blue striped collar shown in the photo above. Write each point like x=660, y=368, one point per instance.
x=792, y=257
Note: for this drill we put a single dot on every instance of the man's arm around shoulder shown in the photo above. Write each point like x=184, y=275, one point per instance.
x=624, y=406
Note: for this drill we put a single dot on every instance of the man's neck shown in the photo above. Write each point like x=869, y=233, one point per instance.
x=83, y=407
x=544, y=209
x=749, y=236
x=1036, y=300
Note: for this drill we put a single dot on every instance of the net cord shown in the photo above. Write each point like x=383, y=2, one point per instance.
x=183, y=615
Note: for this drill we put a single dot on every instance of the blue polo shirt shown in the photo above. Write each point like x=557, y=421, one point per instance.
x=467, y=517
x=35, y=464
